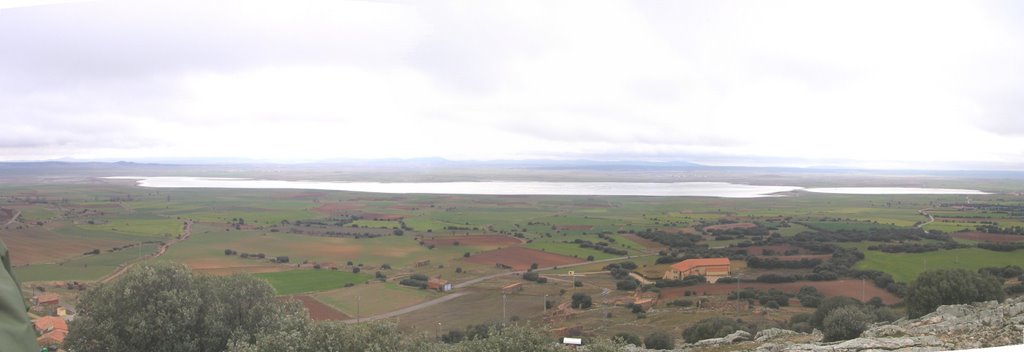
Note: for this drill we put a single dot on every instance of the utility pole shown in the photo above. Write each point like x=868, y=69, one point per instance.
x=862, y=290
x=737, y=296
x=545, y=303
x=357, y=309
x=438, y=329
x=503, y=311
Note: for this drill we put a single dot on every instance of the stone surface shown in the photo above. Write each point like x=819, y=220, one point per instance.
x=773, y=333
x=737, y=336
x=956, y=327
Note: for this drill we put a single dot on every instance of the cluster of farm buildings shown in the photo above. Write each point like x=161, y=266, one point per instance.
x=52, y=327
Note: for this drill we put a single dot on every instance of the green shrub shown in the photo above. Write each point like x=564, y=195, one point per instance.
x=659, y=341
x=629, y=339
x=934, y=288
x=711, y=328
x=844, y=323
x=581, y=301
x=827, y=306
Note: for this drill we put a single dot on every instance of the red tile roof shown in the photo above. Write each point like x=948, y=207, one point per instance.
x=436, y=283
x=47, y=298
x=52, y=337
x=693, y=263
x=50, y=323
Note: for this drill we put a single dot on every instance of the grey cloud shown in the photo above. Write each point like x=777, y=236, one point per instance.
x=64, y=44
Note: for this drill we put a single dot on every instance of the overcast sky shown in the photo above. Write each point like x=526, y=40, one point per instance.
x=879, y=84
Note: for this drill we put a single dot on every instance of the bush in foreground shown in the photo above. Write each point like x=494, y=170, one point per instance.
x=659, y=341
x=846, y=322
x=164, y=307
x=712, y=328
x=934, y=288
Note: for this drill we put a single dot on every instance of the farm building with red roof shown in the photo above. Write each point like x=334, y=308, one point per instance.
x=52, y=330
x=436, y=283
x=710, y=268
x=43, y=299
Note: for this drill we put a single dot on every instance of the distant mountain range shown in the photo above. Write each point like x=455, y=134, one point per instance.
x=442, y=164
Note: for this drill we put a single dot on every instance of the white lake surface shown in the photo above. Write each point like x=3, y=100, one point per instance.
x=675, y=189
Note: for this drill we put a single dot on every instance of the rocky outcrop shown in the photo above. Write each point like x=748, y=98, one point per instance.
x=737, y=336
x=955, y=327
x=773, y=333
x=964, y=326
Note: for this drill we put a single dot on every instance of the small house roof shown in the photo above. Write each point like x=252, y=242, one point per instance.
x=693, y=263
x=47, y=298
x=48, y=323
x=56, y=336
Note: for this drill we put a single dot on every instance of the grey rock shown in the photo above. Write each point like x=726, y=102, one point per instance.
x=737, y=336
x=710, y=342
x=773, y=333
x=885, y=331
x=888, y=343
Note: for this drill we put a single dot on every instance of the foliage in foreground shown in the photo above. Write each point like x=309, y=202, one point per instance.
x=934, y=288
x=712, y=328
x=164, y=307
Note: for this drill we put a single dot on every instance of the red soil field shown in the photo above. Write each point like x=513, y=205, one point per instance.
x=335, y=208
x=989, y=237
x=643, y=241
x=317, y=310
x=474, y=240
x=845, y=287
x=37, y=245
x=740, y=225
x=520, y=258
x=575, y=227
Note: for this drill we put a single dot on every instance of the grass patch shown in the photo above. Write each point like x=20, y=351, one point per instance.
x=905, y=267
x=310, y=280
x=570, y=249
x=845, y=225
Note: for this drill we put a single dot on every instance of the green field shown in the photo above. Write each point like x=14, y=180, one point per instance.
x=315, y=227
x=570, y=249
x=374, y=298
x=91, y=267
x=311, y=280
x=904, y=267
x=845, y=225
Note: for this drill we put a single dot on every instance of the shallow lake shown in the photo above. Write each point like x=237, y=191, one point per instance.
x=676, y=189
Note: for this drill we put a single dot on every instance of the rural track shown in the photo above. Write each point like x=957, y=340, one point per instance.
x=931, y=218
x=17, y=213
x=185, y=234
x=472, y=282
x=408, y=309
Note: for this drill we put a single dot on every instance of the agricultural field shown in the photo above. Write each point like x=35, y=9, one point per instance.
x=904, y=267
x=307, y=280
x=306, y=244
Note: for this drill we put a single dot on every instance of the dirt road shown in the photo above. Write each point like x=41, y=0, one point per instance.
x=186, y=232
x=17, y=213
x=931, y=219
x=472, y=282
